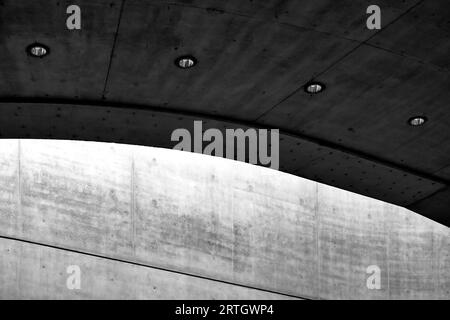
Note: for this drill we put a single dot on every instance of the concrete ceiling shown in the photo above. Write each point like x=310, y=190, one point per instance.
x=115, y=80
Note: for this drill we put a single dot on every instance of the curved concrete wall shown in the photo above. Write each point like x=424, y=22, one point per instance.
x=153, y=223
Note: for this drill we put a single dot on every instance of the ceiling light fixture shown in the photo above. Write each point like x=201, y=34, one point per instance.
x=314, y=87
x=185, y=62
x=417, y=121
x=38, y=50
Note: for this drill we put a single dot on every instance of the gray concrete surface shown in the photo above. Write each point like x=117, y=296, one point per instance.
x=203, y=217
x=37, y=272
x=106, y=81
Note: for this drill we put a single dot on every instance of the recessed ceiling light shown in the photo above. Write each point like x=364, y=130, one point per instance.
x=185, y=62
x=417, y=121
x=38, y=50
x=314, y=87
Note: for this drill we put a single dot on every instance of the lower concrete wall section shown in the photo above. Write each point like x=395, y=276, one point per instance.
x=155, y=223
x=37, y=272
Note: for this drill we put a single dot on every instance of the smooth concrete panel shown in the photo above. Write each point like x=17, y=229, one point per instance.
x=442, y=245
x=214, y=218
x=275, y=232
x=357, y=232
x=9, y=186
x=181, y=213
x=353, y=235
x=30, y=271
x=9, y=209
x=416, y=247
x=77, y=195
x=224, y=222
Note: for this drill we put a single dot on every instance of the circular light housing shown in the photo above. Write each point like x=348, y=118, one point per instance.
x=417, y=121
x=38, y=50
x=314, y=87
x=185, y=62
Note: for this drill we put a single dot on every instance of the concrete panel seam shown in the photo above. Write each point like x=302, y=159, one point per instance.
x=150, y=266
x=360, y=44
x=133, y=206
x=318, y=260
x=113, y=48
x=388, y=256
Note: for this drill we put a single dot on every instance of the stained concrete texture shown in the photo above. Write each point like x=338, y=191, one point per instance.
x=194, y=226
x=37, y=272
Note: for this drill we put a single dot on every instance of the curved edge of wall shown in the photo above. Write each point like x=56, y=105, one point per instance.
x=152, y=223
